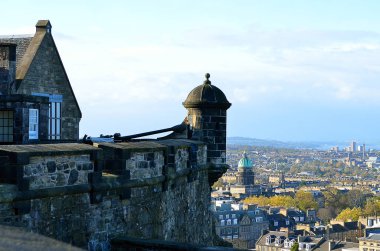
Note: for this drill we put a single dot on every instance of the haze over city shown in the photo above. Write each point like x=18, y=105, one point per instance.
x=293, y=70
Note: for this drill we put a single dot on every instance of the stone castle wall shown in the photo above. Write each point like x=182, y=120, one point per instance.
x=88, y=195
x=53, y=171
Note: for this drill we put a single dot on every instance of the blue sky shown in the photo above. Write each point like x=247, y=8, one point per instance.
x=293, y=70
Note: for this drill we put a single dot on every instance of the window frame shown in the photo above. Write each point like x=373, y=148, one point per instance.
x=7, y=117
x=33, y=123
x=55, y=114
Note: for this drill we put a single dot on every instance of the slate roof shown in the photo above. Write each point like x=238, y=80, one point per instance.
x=347, y=227
x=335, y=228
x=324, y=246
x=351, y=225
x=262, y=240
x=375, y=237
x=293, y=213
x=22, y=42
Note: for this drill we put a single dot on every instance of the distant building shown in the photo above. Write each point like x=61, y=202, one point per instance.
x=363, y=150
x=353, y=146
x=275, y=241
x=345, y=231
x=370, y=243
x=245, y=179
x=334, y=149
x=284, y=241
x=241, y=227
x=373, y=162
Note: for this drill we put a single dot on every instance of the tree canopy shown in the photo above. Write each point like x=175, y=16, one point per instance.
x=350, y=214
x=303, y=200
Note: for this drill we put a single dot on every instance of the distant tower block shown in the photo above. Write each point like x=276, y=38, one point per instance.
x=353, y=146
x=363, y=151
x=207, y=115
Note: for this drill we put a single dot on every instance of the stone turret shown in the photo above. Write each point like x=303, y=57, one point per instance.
x=207, y=115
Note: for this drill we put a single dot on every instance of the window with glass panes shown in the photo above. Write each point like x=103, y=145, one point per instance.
x=54, y=129
x=33, y=123
x=55, y=114
x=6, y=126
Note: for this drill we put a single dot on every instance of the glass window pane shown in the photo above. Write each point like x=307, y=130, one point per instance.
x=33, y=123
x=6, y=126
x=58, y=132
x=53, y=127
x=53, y=110
x=58, y=110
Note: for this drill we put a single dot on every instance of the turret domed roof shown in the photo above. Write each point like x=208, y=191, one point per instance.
x=245, y=162
x=206, y=96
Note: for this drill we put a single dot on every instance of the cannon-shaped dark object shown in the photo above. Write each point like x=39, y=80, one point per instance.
x=177, y=130
x=182, y=130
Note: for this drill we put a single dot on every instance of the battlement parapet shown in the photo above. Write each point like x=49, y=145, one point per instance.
x=87, y=195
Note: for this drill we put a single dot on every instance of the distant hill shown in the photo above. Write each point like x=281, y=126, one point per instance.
x=282, y=144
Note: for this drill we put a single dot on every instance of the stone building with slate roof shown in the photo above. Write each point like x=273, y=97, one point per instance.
x=37, y=102
x=241, y=227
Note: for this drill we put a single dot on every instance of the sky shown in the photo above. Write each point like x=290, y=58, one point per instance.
x=293, y=70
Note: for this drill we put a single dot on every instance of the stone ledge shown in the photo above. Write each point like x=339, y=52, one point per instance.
x=62, y=148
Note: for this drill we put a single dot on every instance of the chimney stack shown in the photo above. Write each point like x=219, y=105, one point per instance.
x=44, y=26
x=7, y=68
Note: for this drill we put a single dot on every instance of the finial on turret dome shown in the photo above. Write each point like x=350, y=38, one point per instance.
x=207, y=81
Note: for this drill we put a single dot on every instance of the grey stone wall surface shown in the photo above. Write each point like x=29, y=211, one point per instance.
x=145, y=164
x=210, y=126
x=165, y=198
x=51, y=171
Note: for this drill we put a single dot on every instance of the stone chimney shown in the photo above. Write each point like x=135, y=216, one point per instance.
x=43, y=25
x=7, y=68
